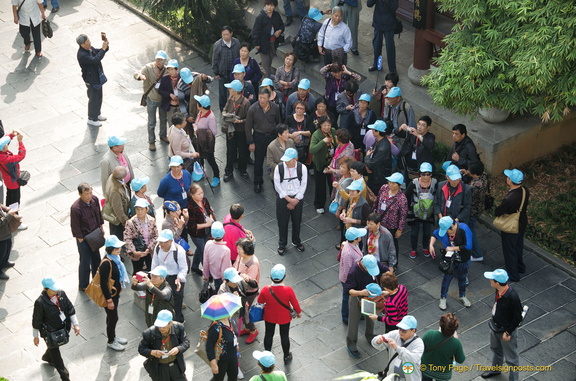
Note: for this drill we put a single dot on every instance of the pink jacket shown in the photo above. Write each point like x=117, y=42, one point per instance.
x=233, y=231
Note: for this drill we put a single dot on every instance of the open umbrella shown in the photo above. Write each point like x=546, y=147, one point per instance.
x=221, y=306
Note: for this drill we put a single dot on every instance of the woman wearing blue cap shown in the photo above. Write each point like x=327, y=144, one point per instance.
x=175, y=219
x=10, y=166
x=139, y=187
x=168, y=90
x=206, y=130
x=266, y=362
x=253, y=72
x=358, y=121
x=140, y=235
x=158, y=293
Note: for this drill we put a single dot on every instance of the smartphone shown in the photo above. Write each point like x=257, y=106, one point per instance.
x=103, y=36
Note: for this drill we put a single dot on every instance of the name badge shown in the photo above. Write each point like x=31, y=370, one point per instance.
x=157, y=85
x=362, y=131
x=150, y=309
x=184, y=196
x=165, y=354
x=448, y=203
x=383, y=206
x=414, y=155
x=62, y=316
x=336, y=95
x=331, y=151
x=291, y=188
x=176, y=92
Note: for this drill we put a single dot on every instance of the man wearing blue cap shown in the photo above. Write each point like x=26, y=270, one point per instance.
x=158, y=293
x=150, y=75
x=114, y=157
x=349, y=256
x=290, y=180
x=164, y=344
x=418, y=145
x=234, y=115
x=239, y=72
x=513, y=243
x=302, y=94
x=225, y=51
x=398, y=110
x=506, y=317
x=453, y=197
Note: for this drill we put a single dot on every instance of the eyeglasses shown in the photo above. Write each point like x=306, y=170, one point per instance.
x=426, y=174
x=403, y=330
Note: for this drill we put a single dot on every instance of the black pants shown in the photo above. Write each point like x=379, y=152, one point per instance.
x=321, y=181
x=53, y=356
x=227, y=367
x=284, y=337
x=25, y=33
x=12, y=196
x=178, y=297
x=94, y=101
x=223, y=92
x=236, y=147
x=170, y=372
x=513, y=250
x=261, y=141
x=283, y=215
x=5, y=249
x=112, y=320
x=142, y=264
x=89, y=262
x=211, y=159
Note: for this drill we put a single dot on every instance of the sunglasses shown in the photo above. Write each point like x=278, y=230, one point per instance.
x=426, y=174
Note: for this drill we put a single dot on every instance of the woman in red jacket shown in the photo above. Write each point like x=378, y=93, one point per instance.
x=279, y=300
x=10, y=168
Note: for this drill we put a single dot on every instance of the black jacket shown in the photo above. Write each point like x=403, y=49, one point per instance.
x=508, y=314
x=46, y=315
x=380, y=163
x=104, y=270
x=384, y=17
x=152, y=340
x=423, y=149
x=511, y=204
x=467, y=152
x=91, y=64
x=262, y=27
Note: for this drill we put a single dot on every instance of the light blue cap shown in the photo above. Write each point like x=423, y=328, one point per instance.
x=278, y=272
x=408, y=322
x=113, y=241
x=353, y=233
x=425, y=167
x=163, y=318
x=173, y=63
x=365, y=97
x=239, y=68
x=204, y=100
x=161, y=54
x=445, y=223
x=160, y=271
x=374, y=289
x=231, y=275
x=3, y=141
x=175, y=161
x=396, y=177
x=217, y=229
x=453, y=172
x=314, y=14
x=379, y=125
x=515, y=175
x=165, y=235
x=265, y=358
x=138, y=183
x=197, y=172
x=186, y=75
x=50, y=283
x=289, y=154
x=304, y=84
x=445, y=165
x=235, y=85
x=371, y=264
x=356, y=185
x=499, y=275
x=113, y=141
x=394, y=92
x=141, y=203
x=267, y=82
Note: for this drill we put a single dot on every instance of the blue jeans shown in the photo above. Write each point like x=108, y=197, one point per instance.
x=345, y=297
x=151, y=107
x=426, y=234
x=390, y=47
x=299, y=8
x=476, y=251
x=199, y=253
x=53, y=2
x=461, y=272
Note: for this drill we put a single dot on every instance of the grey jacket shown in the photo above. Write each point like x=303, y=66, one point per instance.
x=223, y=57
x=108, y=163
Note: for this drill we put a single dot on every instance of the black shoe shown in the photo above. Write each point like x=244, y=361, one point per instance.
x=281, y=250
x=353, y=354
x=46, y=357
x=9, y=264
x=289, y=21
x=489, y=374
x=288, y=358
x=299, y=246
x=4, y=276
x=245, y=176
x=355, y=52
x=372, y=68
x=228, y=177
x=257, y=188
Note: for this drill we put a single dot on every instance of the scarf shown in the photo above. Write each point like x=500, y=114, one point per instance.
x=352, y=201
x=124, y=280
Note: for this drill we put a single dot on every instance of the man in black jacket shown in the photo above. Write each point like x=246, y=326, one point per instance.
x=463, y=151
x=90, y=60
x=164, y=345
x=506, y=317
x=417, y=147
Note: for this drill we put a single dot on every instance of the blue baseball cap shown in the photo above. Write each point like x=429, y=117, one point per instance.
x=453, y=172
x=265, y=358
x=160, y=271
x=425, y=167
x=231, y=275
x=239, y=68
x=163, y=319
x=113, y=141
x=515, y=175
x=315, y=14
x=379, y=125
x=356, y=185
x=371, y=264
x=445, y=165
x=499, y=275
x=396, y=177
x=186, y=75
x=304, y=84
x=365, y=98
x=161, y=54
x=267, y=82
x=204, y=100
x=173, y=63
x=50, y=283
x=175, y=161
x=289, y=154
x=445, y=223
x=113, y=241
x=165, y=235
x=217, y=229
x=278, y=272
x=408, y=322
x=235, y=85
x=3, y=141
x=171, y=206
x=353, y=233
x=394, y=92
x=141, y=203
x=374, y=289
x=138, y=183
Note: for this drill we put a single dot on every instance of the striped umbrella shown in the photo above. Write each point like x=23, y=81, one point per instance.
x=221, y=306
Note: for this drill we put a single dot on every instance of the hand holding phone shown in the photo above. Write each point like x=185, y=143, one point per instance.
x=103, y=35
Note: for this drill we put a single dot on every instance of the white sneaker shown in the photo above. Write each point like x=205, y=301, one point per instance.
x=320, y=210
x=116, y=346
x=442, y=304
x=240, y=374
x=22, y=227
x=101, y=118
x=94, y=123
x=120, y=340
x=477, y=259
x=465, y=302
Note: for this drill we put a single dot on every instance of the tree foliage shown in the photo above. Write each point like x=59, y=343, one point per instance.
x=515, y=55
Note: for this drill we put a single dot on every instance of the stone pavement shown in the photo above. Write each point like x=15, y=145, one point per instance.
x=46, y=100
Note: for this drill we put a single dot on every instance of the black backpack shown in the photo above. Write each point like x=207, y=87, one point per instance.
x=298, y=171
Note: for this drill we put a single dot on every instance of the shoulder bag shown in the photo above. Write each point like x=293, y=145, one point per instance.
x=201, y=346
x=143, y=101
x=57, y=338
x=293, y=312
x=383, y=374
x=95, y=239
x=510, y=223
x=94, y=291
x=206, y=293
x=446, y=264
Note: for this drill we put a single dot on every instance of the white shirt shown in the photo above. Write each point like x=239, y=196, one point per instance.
x=335, y=37
x=166, y=259
x=29, y=11
x=290, y=186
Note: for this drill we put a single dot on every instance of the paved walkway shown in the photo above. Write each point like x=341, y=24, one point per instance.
x=46, y=100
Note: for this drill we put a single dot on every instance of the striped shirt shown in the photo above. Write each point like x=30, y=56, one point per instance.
x=396, y=306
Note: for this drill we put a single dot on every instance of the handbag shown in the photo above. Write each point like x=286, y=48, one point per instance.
x=94, y=291
x=206, y=293
x=95, y=239
x=256, y=312
x=47, y=29
x=57, y=338
x=446, y=264
x=143, y=101
x=23, y=178
x=201, y=346
x=333, y=208
x=293, y=313
x=510, y=223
